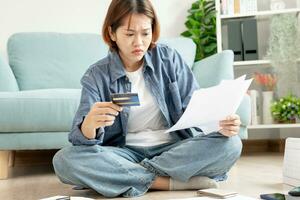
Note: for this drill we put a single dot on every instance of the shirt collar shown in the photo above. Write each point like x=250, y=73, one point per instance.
x=117, y=69
x=148, y=60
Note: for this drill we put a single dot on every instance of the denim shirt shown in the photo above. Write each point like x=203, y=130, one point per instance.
x=168, y=77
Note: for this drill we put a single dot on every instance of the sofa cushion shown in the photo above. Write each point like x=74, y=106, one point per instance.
x=185, y=47
x=53, y=60
x=57, y=60
x=213, y=69
x=38, y=110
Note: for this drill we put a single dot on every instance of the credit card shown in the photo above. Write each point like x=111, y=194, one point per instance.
x=125, y=99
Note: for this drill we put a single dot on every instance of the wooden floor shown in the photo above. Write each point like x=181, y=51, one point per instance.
x=252, y=175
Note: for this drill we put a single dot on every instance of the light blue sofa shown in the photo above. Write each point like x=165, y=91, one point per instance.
x=40, y=87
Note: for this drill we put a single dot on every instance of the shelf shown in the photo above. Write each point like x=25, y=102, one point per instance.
x=252, y=62
x=261, y=13
x=271, y=126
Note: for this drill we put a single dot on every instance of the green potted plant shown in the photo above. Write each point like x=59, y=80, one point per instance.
x=286, y=109
x=201, y=28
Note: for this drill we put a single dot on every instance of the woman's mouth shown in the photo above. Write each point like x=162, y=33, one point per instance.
x=137, y=52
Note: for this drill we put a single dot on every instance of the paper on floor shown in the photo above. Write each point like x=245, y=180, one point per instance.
x=210, y=105
x=238, y=197
x=62, y=197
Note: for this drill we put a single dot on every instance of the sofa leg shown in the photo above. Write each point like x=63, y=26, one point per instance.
x=11, y=162
x=4, y=160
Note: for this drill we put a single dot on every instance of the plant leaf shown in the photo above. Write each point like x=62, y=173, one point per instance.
x=201, y=27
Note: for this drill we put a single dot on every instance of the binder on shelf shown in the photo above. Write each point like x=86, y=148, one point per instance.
x=249, y=38
x=235, y=39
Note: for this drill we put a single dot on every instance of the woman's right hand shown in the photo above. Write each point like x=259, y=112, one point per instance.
x=101, y=114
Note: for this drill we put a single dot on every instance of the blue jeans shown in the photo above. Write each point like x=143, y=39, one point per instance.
x=130, y=171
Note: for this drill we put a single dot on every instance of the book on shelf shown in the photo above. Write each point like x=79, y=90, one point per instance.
x=230, y=7
x=223, y=7
x=237, y=6
x=255, y=107
x=234, y=7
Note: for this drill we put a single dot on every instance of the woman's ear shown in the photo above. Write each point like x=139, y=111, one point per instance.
x=112, y=35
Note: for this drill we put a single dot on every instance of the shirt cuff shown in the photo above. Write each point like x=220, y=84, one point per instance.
x=76, y=137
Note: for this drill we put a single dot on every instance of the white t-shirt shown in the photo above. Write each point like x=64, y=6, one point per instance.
x=145, y=122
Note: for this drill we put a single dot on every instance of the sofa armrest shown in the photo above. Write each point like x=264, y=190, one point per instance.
x=244, y=111
x=8, y=81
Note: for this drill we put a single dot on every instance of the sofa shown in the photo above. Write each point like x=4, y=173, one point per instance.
x=40, y=86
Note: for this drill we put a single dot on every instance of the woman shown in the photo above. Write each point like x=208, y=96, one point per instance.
x=124, y=151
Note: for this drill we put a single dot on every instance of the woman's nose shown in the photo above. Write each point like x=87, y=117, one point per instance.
x=138, y=40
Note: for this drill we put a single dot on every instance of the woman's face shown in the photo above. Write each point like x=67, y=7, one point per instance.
x=133, y=39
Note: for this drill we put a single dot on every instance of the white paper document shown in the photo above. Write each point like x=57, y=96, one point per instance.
x=210, y=105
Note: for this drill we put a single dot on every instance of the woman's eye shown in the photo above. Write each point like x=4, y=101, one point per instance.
x=129, y=34
x=146, y=34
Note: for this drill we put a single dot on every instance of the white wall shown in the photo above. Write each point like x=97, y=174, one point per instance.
x=77, y=16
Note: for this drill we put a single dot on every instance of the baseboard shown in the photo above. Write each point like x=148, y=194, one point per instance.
x=44, y=157
x=265, y=145
x=34, y=157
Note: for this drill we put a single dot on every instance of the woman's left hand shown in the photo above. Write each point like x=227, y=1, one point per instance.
x=230, y=126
